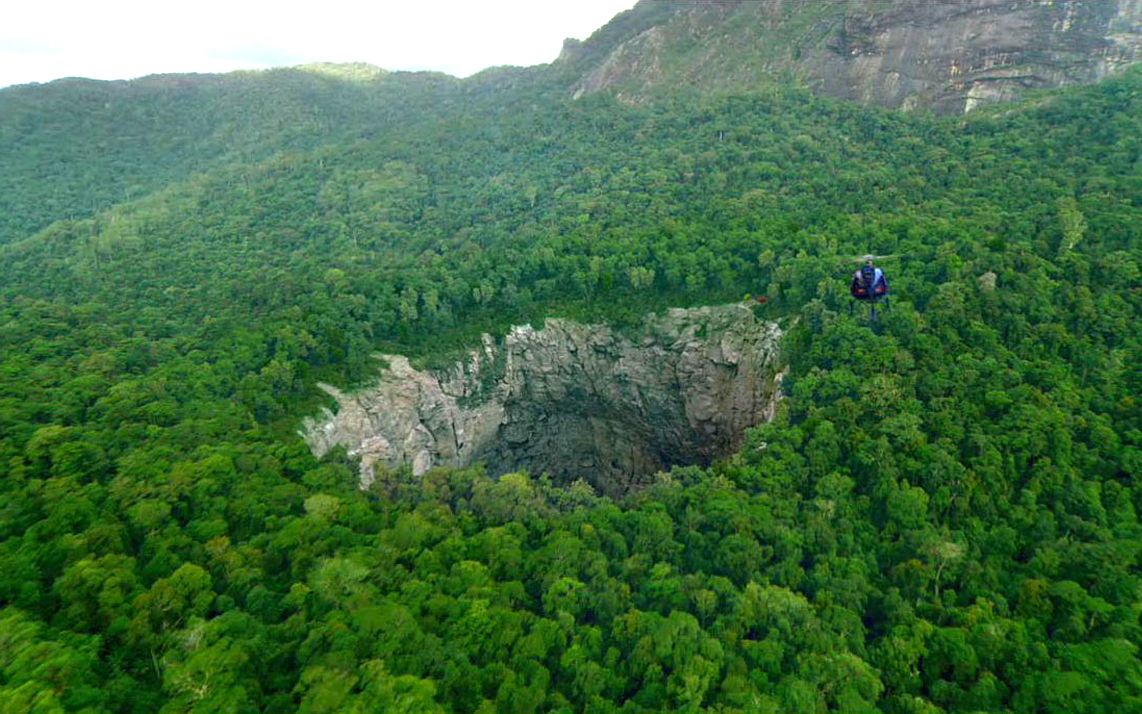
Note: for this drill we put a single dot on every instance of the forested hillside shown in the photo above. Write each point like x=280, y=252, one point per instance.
x=75, y=147
x=943, y=517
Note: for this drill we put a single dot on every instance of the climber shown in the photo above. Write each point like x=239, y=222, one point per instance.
x=870, y=285
x=869, y=282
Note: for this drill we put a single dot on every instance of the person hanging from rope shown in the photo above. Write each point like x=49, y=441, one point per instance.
x=869, y=282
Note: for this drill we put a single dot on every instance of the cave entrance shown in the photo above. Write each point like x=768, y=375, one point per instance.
x=612, y=450
x=571, y=400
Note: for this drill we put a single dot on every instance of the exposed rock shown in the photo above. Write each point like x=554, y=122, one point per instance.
x=571, y=400
x=945, y=55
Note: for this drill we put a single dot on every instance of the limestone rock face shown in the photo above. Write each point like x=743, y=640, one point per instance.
x=571, y=400
x=954, y=55
x=948, y=56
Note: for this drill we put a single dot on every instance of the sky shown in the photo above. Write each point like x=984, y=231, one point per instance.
x=44, y=40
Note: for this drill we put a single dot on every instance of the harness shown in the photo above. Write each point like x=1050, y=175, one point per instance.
x=869, y=284
x=868, y=277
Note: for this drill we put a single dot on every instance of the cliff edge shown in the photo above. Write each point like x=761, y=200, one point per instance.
x=947, y=56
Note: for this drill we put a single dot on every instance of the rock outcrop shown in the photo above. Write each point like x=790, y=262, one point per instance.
x=571, y=400
x=949, y=56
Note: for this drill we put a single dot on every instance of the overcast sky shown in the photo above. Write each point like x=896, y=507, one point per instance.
x=42, y=40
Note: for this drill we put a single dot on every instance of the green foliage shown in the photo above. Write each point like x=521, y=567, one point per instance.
x=943, y=517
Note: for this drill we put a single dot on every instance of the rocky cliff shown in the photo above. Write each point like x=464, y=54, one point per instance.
x=571, y=400
x=945, y=55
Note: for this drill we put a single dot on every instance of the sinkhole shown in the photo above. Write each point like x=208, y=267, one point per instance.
x=569, y=400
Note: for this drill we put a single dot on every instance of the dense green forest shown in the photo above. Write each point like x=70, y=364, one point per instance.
x=943, y=517
x=75, y=147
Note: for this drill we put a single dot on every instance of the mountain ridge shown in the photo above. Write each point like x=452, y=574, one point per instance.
x=948, y=56
x=135, y=135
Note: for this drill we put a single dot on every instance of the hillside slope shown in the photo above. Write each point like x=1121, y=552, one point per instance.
x=948, y=56
x=74, y=147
